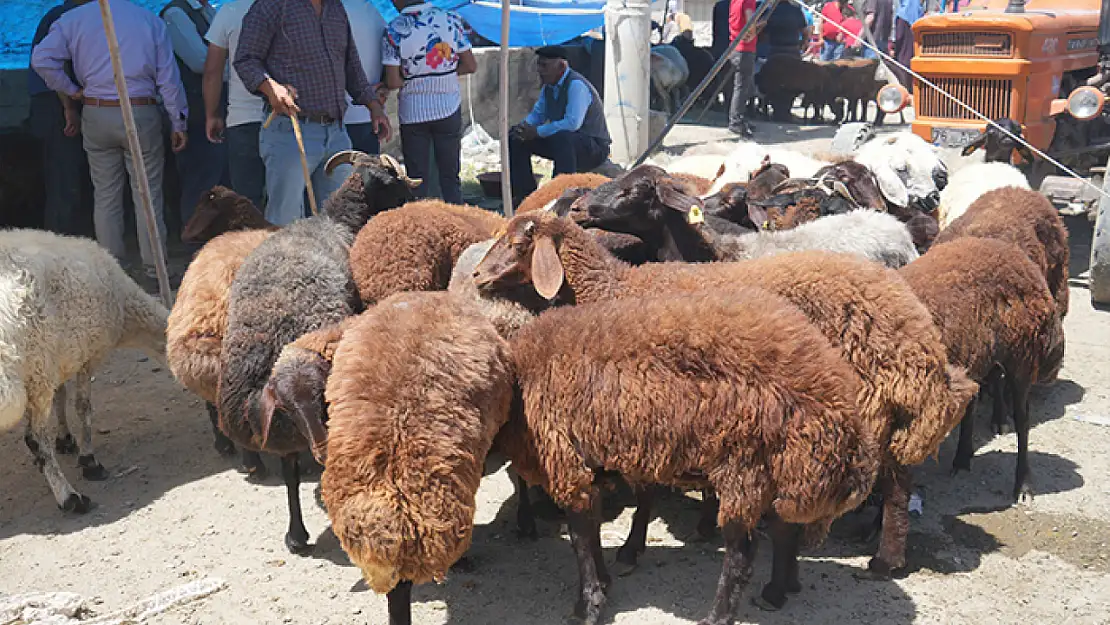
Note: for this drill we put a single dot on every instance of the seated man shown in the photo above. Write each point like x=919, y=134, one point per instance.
x=566, y=125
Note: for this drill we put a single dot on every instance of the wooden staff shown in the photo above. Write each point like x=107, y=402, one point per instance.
x=304, y=158
x=503, y=117
x=137, y=165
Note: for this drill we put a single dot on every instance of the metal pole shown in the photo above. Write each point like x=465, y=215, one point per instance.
x=1099, y=281
x=137, y=166
x=503, y=117
x=765, y=8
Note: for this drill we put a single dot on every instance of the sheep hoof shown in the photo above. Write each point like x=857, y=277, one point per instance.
x=1023, y=494
x=255, y=471
x=92, y=470
x=623, y=569
x=766, y=604
x=960, y=464
x=877, y=571
x=1003, y=428
x=77, y=503
x=297, y=545
x=65, y=444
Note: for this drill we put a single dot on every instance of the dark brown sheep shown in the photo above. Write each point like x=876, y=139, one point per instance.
x=1026, y=219
x=751, y=400
x=993, y=309
x=223, y=210
x=910, y=396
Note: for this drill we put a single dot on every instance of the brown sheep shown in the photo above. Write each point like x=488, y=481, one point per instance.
x=751, y=400
x=198, y=321
x=693, y=183
x=1026, y=219
x=223, y=210
x=554, y=188
x=910, y=397
x=419, y=388
x=993, y=309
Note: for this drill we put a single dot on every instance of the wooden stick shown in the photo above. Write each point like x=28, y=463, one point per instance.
x=137, y=166
x=304, y=159
x=503, y=117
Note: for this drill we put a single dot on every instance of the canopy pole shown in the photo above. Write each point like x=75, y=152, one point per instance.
x=503, y=114
x=137, y=165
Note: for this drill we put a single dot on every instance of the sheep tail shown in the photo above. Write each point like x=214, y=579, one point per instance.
x=945, y=395
x=372, y=533
x=15, y=314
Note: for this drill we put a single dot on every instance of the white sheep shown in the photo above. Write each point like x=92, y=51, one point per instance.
x=972, y=181
x=908, y=169
x=669, y=73
x=748, y=157
x=64, y=304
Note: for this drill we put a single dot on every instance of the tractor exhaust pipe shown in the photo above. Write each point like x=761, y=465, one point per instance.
x=1016, y=6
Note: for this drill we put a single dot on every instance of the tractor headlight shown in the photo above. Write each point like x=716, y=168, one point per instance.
x=893, y=98
x=1085, y=103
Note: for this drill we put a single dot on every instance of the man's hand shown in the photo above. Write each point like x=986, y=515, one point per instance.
x=79, y=96
x=73, y=122
x=380, y=122
x=214, y=128
x=282, y=98
x=526, y=132
x=178, y=140
x=382, y=92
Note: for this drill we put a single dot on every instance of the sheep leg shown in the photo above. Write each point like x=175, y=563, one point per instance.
x=296, y=539
x=1019, y=392
x=38, y=438
x=1001, y=409
x=737, y=570
x=82, y=401
x=253, y=466
x=525, y=516
x=584, y=534
x=896, y=484
x=400, y=604
x=710, y=505
x=224, y=445
x=784, y=568
x=636, y=543
x=64, y=443
x=965, y=449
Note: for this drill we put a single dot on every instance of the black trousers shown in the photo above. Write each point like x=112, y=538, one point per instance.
x=64, y=167
x=573, y=152
x=446, y=135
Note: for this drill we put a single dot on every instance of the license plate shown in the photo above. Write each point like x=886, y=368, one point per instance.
x=954, y=137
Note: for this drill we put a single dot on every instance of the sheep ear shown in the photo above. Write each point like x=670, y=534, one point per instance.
x=758, y=215
x=199, y=223
x=892, y=187
x=267, y=404
x=1025, y=153
x=676, y=200
x=979, y=142
x=547, y=269
x=720, y=172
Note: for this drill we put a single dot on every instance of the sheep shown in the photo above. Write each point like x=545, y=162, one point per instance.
x=296, y=281
x=910, y=396
x=998, y=147
x=970, y=183
x=669, y=73
x=1027, y=219
x=223, y=210
x=786, y=76
x=908, y=169
x=419, y=388
x=993, y=309
x=549, y=192
x=644, y=203
x=749, y=157
x=855, y=81
x=65, y=303
x=751, y=400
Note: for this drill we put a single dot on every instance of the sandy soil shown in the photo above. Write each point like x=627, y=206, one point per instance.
x=176, y=511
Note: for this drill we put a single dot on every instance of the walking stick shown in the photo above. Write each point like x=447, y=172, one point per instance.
x=304, y=158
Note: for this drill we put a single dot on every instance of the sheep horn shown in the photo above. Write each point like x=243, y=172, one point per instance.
x=390, y=163
x=345, y=157
x=399, y=171
x=840, y=188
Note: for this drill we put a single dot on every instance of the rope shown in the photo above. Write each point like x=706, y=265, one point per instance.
x=882, y=54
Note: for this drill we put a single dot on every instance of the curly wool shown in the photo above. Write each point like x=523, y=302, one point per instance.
x=419, y=387
x=554, y=188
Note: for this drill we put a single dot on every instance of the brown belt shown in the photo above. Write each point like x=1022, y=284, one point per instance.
x=134, y=102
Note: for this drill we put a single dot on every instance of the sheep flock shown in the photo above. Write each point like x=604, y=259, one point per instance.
x=785, y=333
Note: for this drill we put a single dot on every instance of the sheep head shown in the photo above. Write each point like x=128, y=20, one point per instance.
x=859, y=183
x=377, y=183
x=909, y=171
x=527, y=253
x=223, y=210
x=638, y=202
x=998, y=145
x=296, y=389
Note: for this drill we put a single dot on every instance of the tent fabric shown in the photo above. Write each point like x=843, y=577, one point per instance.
x=535, y=23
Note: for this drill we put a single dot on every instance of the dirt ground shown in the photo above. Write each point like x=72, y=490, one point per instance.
x=176, y=511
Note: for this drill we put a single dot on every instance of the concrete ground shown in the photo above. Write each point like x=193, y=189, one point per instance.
x=175, y=511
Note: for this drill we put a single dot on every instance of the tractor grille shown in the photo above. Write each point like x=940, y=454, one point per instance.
x=988, y=96
x=995, y=45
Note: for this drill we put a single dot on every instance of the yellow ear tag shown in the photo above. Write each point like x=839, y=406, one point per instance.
x=695, y=216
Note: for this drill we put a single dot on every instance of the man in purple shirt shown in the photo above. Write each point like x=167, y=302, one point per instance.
x=301, y=56
x=150, y=69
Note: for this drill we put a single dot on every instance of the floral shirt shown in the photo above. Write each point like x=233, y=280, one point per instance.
x=425, y=42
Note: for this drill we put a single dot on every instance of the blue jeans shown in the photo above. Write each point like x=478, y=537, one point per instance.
x=285, y=184
x=248, y=172
x=363, y=138
x=200, y=166
x=832, y=50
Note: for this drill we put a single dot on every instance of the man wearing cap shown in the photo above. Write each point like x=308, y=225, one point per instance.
x=566, y=125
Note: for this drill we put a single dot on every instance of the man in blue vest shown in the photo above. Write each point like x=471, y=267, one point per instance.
x=202, y=164
x=566, y=125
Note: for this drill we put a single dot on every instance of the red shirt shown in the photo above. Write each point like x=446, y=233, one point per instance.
x=854, y=26
x=831, y=13
x=736, y=21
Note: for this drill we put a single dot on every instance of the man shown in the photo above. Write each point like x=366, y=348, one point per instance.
x=879, y=19
x=202, y=164
x=566, y=125
x=301, y=56
x=786, y=30
x=147, y=57
x=720, y=28
x=56, y=123
x=368, y=29
x=833, y=14
x=740, y=12
x=244, y=110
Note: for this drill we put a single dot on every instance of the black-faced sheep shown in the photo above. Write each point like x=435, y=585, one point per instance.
x=65, y=303
x=418, y=390
x=751, y=401
x=993, y=309
x=998, y=146
x=910, y=397
x=296, y=281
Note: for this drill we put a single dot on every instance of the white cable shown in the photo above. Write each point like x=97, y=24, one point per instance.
x=959, y=102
